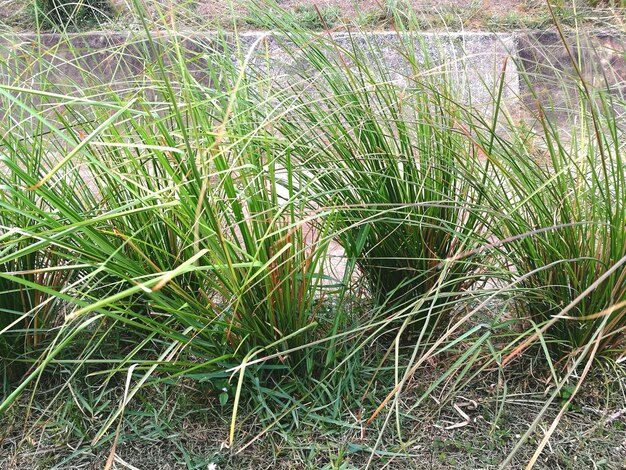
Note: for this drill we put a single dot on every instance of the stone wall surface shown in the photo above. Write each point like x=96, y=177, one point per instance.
x=535, y=67
x=552, y=72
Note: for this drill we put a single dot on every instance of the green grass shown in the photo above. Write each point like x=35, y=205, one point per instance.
x=563, y=219
x=168, y=240
x=309, y=17
x=397, y=177
x=72, y=14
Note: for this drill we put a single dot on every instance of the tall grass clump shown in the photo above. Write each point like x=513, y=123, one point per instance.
x=186, y=223
x=35, y=261
x=27, y=313
x=561, y=194
x=164, y=226
x=562, y=235
x=401, y=177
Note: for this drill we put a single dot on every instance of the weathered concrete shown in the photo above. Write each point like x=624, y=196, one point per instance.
x=471, y=62
x=93, y=59
x=474, y=63
x=551, y=73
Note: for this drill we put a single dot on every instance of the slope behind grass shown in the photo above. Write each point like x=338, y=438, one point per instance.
x=450, y=15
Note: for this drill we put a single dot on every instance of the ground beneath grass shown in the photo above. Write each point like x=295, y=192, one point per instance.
x=179, y=426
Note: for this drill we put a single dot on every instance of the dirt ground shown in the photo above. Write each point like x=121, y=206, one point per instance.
x=492, y=15
x=353, y=8
x=191, y=431
x=378, y=14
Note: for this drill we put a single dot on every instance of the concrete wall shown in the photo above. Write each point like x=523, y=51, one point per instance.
x=475, y=62
x=553, y=72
